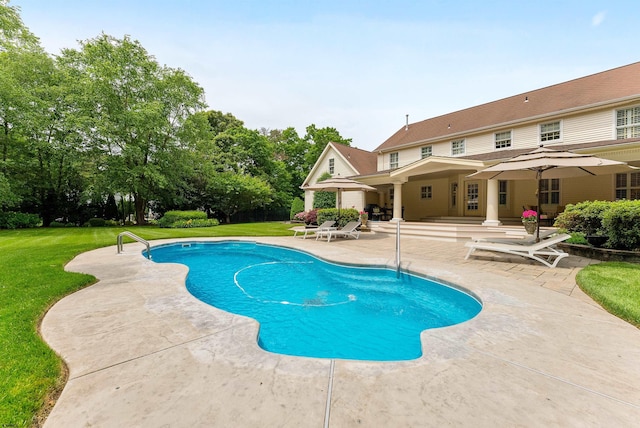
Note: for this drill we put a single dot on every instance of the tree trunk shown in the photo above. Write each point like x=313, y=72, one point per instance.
x=141, y=206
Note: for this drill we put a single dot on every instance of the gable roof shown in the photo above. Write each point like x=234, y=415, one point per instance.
x=362, y=161
x=616, y=85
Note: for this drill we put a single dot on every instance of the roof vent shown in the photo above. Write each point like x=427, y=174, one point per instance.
x=526, y=99
x=406, y=125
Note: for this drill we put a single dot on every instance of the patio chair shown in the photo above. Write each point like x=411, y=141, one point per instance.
x=327, y=225
x=350, y=230
x=543, y=251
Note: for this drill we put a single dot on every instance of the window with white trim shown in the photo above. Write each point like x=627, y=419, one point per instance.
x=628, y=185
x=503, y=139
x=502, y=192
x=426, y=151
x=393, y=160
x=628, y=123
x=550, y=191
x=457, y=147
x=550, y=132
x=332, y=167
x=426, y=192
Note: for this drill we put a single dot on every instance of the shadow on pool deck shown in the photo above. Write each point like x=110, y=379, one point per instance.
x=143, y=352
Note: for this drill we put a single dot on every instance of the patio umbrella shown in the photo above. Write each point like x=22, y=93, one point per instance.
x=338, y=185
x=544, y=163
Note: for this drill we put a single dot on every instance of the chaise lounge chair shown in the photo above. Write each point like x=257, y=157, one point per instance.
x=349, y=230
x=327, y=225
x=543, y=251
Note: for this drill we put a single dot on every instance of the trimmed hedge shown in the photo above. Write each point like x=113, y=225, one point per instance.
x=17, y=220
x=186, y=219
x=346, y=215
x=621, y=224
x=619, y=221
x=297, y=206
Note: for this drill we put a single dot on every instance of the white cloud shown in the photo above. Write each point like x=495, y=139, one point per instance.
x=598, y=18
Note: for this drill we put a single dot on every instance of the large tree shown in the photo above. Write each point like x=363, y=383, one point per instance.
x=318, y=138
x=136, y=116
x=13, y=33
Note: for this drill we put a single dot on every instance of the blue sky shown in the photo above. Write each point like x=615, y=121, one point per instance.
x=358, y=66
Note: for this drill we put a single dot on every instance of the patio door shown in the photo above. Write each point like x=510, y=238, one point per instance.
x=472, y=198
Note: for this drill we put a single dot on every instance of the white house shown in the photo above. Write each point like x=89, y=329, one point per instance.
x=422, y=170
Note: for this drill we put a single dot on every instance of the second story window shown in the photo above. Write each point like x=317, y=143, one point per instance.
x=550, y=132
x=393, y=160
x=426, y=151
x=332, y=167
x=457, y=147
x=503, y=139
x=628, y=123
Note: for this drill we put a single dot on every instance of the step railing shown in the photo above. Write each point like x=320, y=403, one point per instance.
x=134, y=237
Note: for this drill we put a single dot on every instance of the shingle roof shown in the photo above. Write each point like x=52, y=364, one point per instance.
x=608, y=86
x=363, y=161
x=506, y=154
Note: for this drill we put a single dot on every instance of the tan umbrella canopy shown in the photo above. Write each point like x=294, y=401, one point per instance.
x=338, y=185
x=544, y=163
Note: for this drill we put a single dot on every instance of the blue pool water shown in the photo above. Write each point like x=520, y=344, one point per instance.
x=309, y=307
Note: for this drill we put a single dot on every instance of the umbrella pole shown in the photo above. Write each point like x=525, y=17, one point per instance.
x=539, y=174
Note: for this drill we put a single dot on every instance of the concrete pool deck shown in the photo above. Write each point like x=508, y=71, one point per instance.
x=143, y=352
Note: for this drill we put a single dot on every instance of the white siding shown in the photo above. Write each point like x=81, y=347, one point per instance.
x=584, y=128
x=581, y=128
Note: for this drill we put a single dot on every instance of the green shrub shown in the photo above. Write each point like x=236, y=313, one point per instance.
x=96, y=222
x=111, y=223
x=182, y=224
x=577, y=238
x=585, y=217
x=17, y=220
x=619, y=221
x=183, y=219
x=621, y=224
x=345, y=216
x=57, y=224
x=297, y=206
x=324, y=200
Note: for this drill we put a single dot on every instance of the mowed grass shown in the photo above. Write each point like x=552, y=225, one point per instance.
x=32, y=278
x=615, y=286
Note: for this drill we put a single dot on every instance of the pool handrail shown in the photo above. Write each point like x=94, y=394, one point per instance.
x=134, y=237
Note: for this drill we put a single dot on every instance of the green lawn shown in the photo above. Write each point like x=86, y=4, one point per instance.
x=32, y=278
x=616, y=286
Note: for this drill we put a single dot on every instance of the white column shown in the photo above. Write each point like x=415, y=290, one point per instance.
x=308, y=200
x=492, y=204
x=397, y=202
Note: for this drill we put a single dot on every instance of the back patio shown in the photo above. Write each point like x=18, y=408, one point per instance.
x=143, y=352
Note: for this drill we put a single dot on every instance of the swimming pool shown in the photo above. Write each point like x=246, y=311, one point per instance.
x=310, y=307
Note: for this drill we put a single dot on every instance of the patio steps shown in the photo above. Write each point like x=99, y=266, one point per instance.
x=441, y=231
